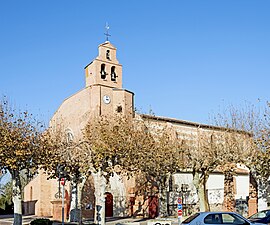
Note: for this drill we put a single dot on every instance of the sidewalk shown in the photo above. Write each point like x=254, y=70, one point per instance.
x=8, y=220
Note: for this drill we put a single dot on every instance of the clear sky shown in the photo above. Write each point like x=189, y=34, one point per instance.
x=182, y=58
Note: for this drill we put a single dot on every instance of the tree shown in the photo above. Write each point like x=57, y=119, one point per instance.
x=66, y=161
x=238, y=146
x=108, y=143
x=259, y=159
x=19, y=149
x=6, y=195
x=128, y=147
x=209, y=150
x=252, y=120
x=202, y=157
x=156, y=160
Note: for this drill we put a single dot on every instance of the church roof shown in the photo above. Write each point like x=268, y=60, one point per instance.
x=88, y=65
x=192, y=124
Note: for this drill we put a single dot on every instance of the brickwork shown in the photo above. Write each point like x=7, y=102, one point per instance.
x=103, y=95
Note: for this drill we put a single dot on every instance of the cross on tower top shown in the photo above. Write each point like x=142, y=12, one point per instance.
x=107, y=32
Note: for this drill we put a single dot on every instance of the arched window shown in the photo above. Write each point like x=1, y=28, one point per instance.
x=69, y=135
x=102, y=71
x=108, y=55
x=113, y=74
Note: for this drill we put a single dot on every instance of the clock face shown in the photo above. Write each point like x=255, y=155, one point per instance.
x=106, y=99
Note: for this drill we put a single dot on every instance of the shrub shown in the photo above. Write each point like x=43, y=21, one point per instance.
x=41, y=222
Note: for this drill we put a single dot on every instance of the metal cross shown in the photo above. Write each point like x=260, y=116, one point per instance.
x=107, y=32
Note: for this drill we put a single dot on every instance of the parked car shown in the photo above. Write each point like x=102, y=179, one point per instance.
x=218, y=218
x=261, y=217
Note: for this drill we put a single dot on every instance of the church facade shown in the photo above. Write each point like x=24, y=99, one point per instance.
x=103, y=95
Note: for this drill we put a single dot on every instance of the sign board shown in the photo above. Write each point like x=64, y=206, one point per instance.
x=62, y=181
x=179, y=208
x=180, y=212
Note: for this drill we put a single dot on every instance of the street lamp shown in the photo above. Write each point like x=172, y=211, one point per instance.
x=61, y=173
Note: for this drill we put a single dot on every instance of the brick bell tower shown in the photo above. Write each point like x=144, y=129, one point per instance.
x=104, y=76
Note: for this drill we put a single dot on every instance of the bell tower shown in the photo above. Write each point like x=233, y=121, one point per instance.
x=103, y=79
x=105, y=68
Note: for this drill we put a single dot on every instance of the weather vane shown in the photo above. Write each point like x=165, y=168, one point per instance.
x=107, y=32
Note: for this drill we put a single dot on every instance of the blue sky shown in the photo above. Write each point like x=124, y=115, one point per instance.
x=182, y=59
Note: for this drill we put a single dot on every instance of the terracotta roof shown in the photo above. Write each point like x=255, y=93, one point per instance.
x=192, y=124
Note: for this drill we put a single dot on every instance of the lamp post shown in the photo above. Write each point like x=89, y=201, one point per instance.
x=241, y=205
x=62, y=182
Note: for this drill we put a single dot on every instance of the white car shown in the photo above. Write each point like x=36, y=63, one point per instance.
x=226, y=218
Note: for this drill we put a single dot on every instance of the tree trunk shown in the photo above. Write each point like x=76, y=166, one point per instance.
x=199, y=181
x=162, y=203
x=17, y=197
x=229, y=192
x=75, y=213
x=100, y=188
x=163, y=197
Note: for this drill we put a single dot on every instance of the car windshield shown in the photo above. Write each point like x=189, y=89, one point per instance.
x=260, y=215
x=189, y=219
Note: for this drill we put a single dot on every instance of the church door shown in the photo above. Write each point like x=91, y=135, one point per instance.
x=153, y=206
x=109, y=205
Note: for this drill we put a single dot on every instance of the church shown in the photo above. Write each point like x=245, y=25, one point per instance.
x=103, y=94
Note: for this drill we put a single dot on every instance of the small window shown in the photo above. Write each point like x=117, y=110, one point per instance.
x=113, y=74
x=119, y=109
x=102, y=71
x=108, y=55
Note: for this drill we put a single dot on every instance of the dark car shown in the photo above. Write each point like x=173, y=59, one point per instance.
x=218, y=218
x=261, y=217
